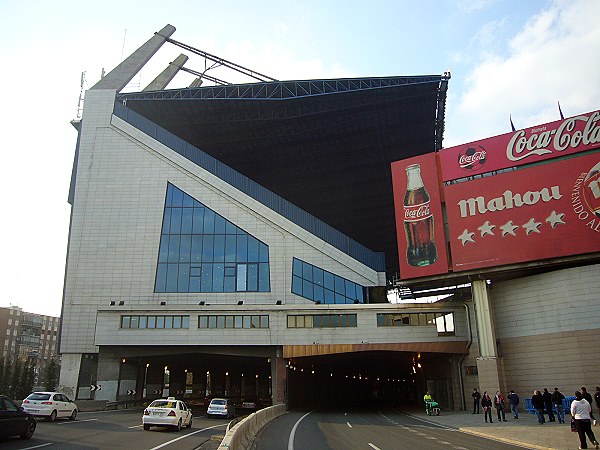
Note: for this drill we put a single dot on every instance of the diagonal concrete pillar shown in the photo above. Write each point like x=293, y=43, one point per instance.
x=165, y=77
x=122, y=74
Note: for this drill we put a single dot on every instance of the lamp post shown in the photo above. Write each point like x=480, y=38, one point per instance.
x=145, y=380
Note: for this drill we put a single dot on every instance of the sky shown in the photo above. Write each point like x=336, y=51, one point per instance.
x=507, y=58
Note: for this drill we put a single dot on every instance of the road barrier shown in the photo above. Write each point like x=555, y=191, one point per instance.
x=241, y=435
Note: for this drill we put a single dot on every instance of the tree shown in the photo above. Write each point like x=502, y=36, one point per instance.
x=3, y=377
x=15, y=378
x=51, y=375
x=23, y=389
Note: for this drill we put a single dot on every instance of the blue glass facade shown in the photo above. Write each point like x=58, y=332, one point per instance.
x=319, y=285
x=201, y=251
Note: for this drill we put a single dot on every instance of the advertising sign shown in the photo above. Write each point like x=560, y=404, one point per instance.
x=419, y=220
x=551, y=140
x=546, y=211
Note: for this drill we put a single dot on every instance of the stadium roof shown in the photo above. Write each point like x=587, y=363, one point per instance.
x=324, y=145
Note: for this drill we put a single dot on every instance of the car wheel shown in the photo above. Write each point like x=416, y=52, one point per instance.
x=178, y=426
x=146, y=427
x=189, y=425
x=30, y=429
x=73, y=415
x=52, y=416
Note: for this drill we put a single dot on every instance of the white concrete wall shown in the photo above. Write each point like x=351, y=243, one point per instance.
x=117, y=218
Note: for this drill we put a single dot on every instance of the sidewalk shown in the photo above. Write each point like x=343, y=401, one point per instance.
x=524, y=431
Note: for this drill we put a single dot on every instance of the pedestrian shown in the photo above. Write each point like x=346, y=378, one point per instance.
x=597, y=400
x=580, y=411
x=537, y=401
x=486, y=403
x=476, y=398
x=557, y=400
x=587, y=396
x=499, y=404
x=547, y=396
x=513, y=400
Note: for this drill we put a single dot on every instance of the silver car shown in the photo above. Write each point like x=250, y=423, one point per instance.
x=222, y=407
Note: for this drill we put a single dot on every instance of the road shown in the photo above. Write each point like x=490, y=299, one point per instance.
x=368, y=429
x=122, y=429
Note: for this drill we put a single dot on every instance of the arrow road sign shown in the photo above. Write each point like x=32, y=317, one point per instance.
x=95, y=387
x=131, y=392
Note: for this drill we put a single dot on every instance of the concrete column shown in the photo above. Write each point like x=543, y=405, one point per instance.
x=488, y=364
x=69, y=374
x=165, y=77
x=278, y=379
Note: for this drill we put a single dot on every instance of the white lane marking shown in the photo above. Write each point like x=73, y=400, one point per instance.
x=293, y=432
x=136, y=426
x=348, y=423
x=373, y=446
x=38, y=446
x=186, y=436
x=75, y=421
x=431, y=437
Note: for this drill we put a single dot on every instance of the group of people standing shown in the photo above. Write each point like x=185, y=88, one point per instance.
x=498, y=402
x=581, y=409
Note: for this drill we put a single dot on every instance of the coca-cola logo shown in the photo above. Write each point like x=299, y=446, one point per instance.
x=472, y=158
x=542, y=140
x=414, y=213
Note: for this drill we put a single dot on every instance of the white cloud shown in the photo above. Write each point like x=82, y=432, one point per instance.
x=553, y=58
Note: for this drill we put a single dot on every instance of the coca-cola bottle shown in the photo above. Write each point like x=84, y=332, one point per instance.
x=418, y=221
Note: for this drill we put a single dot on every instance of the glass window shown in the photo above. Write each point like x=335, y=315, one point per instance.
x=177, y=322
x=291, y=321
x=296, y=285
x=220, y=321
x=143, y=321
x=192, y=233
x=202, y=321
x=238, y=322
x=329, y=280
x=308, y=321
x=255, y=322
x=160, y=321
x=135, y=322
x=212, y=321
x=264, y=321
x=318, y=276
x=228, y=321
x=247, y=322
x=241, y=277
x=307, y=272
x=168, y=321
x=185, y=322
x=352, y=320
x=151, y=321
x=125, y=321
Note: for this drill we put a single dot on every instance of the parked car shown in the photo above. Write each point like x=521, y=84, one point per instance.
x=50, y=405
x=168, y=412
x=221, y=407
x=14, y=421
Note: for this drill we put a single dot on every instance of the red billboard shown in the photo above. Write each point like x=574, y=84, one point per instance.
x=542, y=142
x=545, y=211
x=419, y=220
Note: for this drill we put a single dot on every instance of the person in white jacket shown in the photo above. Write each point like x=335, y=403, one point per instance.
x=580, y=411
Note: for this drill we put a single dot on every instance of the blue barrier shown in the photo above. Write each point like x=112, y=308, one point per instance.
x=566, y=405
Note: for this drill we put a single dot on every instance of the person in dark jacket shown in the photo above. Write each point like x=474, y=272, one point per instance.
x=486, y=403
x=476, y=398
x=499, y=404
x=513, y=400
x=537, y=401
x=557, y=400
x=587, y=396
x=547, y=396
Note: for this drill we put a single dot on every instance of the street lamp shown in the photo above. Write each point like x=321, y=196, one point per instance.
x=145, y=379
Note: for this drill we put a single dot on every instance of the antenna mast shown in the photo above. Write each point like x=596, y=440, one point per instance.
x=80, y=102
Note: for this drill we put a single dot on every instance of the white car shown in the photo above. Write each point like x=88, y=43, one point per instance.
x=221, y=407
x=168, y=412
x=51, y=405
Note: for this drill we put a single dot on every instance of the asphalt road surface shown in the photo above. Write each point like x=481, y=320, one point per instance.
x=112, y=430
x=367, y=429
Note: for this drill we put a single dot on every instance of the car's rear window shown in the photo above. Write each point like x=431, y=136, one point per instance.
x=162, y=404
x=218, y=402
x=36, y=396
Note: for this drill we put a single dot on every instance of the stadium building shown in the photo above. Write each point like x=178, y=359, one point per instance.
x=241, y=240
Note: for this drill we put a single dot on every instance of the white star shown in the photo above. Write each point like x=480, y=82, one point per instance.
x=532, y=226
x=554, y=219
x=486, y=228
x=509, y=228
x=466, y=237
